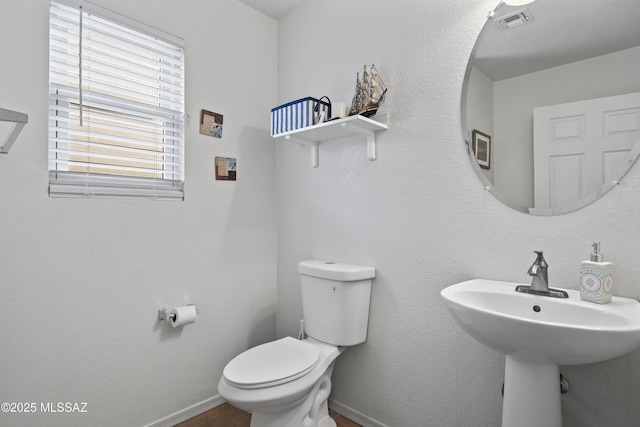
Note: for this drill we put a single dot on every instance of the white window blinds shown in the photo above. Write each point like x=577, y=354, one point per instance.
x=116, y=107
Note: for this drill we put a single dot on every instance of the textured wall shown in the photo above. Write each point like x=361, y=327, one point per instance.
x=420, y=216
x=81, y=280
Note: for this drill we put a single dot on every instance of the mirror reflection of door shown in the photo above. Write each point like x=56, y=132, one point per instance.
x=582, y=147
x=561, y=51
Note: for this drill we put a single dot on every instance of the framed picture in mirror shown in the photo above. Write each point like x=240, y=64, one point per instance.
x=481, y=146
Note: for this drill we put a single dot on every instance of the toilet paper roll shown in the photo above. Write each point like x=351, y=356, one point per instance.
x=339, y=110
x=183, y=315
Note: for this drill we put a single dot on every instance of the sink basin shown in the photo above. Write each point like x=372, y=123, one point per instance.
x=538, y=333
x=543, y=329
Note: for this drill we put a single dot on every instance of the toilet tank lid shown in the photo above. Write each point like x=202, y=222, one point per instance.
x=335, y=270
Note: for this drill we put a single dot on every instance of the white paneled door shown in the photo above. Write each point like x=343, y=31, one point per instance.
x=582, y=147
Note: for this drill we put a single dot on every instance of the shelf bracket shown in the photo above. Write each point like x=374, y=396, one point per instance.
x=314, y=150
x=372, y=153
x=370, y=135
x=315, y=153
x=11, y=124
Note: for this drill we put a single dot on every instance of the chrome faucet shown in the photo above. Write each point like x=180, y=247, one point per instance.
x=539, y=271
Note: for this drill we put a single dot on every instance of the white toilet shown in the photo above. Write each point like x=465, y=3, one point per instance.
x=286, y=383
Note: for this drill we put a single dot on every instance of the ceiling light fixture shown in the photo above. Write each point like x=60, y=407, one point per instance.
x=517, y=2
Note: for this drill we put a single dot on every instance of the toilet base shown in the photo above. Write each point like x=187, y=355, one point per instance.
x=313, y=411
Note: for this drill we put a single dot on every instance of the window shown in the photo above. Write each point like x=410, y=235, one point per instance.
x=116, y=106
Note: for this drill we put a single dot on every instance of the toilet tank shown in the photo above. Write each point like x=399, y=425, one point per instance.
x=335, y=301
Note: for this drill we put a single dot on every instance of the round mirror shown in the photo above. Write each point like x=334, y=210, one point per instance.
x=551, y=102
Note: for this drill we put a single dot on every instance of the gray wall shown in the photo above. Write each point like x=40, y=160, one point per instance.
x=421, y=217
x=81, y=280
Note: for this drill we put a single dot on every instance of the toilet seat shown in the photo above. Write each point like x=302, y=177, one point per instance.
x=273, y=363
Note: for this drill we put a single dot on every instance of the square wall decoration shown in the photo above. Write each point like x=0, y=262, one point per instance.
x=481, y=146
x=211, y=124
x=225, y=168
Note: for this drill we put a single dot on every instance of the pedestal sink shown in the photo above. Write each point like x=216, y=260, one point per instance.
x=538, y=333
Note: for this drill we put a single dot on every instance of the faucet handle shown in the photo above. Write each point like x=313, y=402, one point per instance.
x=540, y=259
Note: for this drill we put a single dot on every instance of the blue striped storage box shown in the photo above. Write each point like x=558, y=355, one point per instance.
x=297, y=114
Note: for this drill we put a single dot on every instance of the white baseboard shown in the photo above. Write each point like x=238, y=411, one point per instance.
x=354, y=415
x=212, y=402
x=189, y=412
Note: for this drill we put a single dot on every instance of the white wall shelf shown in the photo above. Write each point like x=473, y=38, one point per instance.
x=340, y=128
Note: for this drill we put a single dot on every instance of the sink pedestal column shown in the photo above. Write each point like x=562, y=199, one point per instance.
x=531, y=394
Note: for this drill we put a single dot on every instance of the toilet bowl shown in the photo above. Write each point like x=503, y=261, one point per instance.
x=259, y=382
x=287, y=382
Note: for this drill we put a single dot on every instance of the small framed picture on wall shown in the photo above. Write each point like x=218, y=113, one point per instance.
x=481, y=146
x=211, y=123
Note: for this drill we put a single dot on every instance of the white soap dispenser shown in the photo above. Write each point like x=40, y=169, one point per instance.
x=596, y=278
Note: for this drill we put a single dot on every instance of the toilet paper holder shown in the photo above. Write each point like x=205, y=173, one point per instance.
x=163, y=314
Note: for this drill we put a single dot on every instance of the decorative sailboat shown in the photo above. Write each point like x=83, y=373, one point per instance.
x=370, y=92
